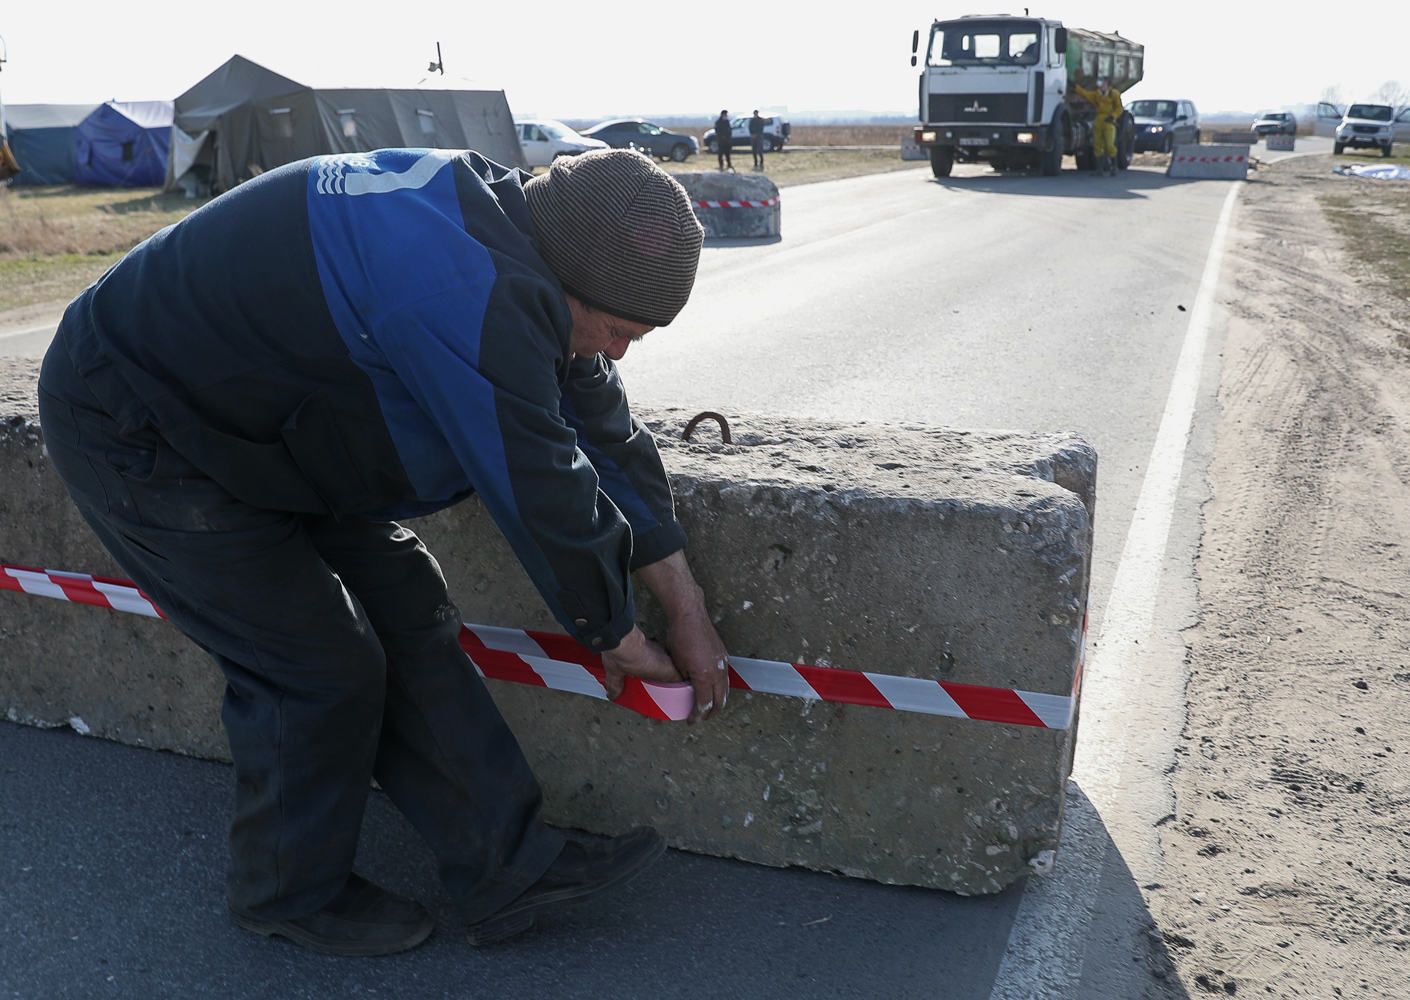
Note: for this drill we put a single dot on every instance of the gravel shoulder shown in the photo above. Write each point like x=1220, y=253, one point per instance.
x=1288, y=859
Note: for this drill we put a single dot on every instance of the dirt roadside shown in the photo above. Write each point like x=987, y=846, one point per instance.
x=1288, y=859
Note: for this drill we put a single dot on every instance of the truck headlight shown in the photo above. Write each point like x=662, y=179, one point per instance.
x=1157, y=128
x=1025, y=137
x=927, y=137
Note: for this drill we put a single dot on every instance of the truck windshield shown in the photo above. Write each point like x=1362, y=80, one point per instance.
x=984, y=43
x=1370, y=112
x=1152, y=109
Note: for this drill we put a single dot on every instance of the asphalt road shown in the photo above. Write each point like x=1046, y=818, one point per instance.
x=28, y=340
x=987, y=300
x=983, y=301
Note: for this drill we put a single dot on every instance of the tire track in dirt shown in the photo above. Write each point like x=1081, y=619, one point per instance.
x=1288, y=860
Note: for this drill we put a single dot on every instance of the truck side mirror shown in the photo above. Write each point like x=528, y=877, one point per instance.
x=1060, y=41
x=915, y=42
x=913, y=60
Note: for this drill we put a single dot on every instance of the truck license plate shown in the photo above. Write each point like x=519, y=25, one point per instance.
x=974, y=142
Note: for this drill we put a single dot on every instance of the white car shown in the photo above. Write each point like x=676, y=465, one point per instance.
x=1328, y=119
x=1374, y=126
x=544, y=140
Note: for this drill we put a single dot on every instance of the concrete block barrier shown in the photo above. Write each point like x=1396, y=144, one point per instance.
x=733, y=205
x=1209, y=162
x=133, y=679
x=960, y=557
x=912, y=150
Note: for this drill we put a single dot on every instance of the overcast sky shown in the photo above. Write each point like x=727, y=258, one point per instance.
x=587, y=58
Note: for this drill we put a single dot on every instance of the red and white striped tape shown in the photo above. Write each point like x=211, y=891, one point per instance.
x=736, y=204
x=1211, y=159
x=100, y=591
x=544, y=659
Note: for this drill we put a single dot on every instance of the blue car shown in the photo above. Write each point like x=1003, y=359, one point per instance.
x=646, y=136
x=1163, y=125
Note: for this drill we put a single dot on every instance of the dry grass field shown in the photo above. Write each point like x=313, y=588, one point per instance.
x=1374, y=218
x=826, y=135
x=806, y=166
x=54, y=241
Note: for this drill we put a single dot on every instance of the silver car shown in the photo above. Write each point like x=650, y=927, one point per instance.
x=1368, y=126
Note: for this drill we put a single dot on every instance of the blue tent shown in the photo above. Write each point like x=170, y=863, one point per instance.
x=123, y=144
x=42, y=138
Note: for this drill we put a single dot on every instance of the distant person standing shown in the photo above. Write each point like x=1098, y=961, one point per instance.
x=722, y=139
x=756, y=139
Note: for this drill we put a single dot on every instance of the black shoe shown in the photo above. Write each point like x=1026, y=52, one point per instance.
x=582, y=869
x=360, y=921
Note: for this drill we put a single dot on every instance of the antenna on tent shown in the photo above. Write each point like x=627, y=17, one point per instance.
x=4, y=53
x=438, y=66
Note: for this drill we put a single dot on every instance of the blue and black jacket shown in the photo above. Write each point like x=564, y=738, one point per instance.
x=376, y=334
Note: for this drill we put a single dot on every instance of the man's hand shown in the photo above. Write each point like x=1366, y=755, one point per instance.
x=694, y=647
x=637, y=656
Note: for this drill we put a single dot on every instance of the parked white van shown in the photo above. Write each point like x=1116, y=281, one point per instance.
x=544, y=140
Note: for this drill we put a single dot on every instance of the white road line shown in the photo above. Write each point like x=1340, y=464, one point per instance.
x=1048, y=942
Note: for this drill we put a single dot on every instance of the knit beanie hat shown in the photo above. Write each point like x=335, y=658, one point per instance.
x=618, y=232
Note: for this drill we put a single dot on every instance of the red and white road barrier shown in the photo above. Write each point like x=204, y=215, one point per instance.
x=770, y=203
x=544, y=659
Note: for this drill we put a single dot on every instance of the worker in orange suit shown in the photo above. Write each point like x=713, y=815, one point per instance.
x=1109, y=110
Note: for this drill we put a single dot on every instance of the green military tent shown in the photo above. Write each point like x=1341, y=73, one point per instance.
x=243, y=119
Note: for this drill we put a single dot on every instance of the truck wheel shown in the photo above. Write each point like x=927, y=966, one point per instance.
x=1052, y=158
x=942, y=159
x=1169, y=146
x=1125, y=142
x=1385, y=150
x=768, y=144
x=1085, y=160
x=679, y=152
x=1337, y=148
x=713, y=146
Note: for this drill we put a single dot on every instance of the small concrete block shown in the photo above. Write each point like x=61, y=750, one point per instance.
x=734, y=222
x=912, y=150
x=1209, y=162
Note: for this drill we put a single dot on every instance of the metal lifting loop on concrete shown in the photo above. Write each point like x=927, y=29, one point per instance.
x=724, y=426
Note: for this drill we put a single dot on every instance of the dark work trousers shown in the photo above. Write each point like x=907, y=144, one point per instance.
x=337, y=639
x=723, y=154
x=756, y=145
